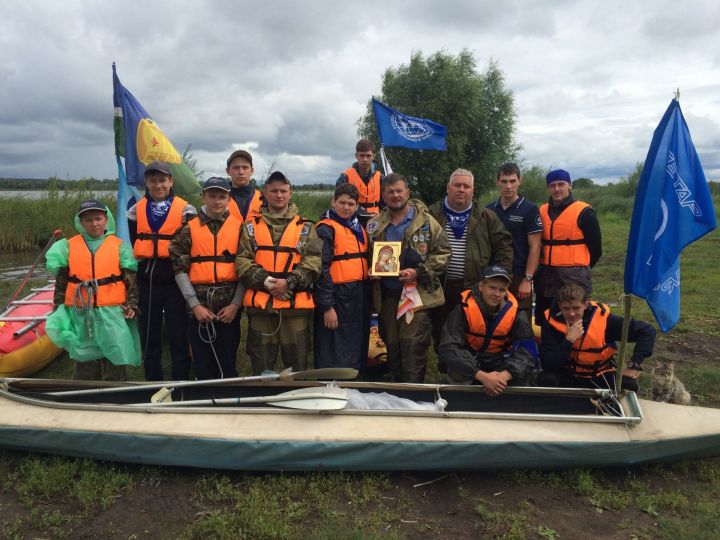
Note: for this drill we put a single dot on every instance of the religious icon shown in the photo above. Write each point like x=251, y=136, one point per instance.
x=385, y=260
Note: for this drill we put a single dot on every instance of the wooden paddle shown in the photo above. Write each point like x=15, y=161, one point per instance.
x=324, y=398
x=328, y=374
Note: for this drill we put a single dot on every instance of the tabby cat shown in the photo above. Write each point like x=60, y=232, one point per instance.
x=665, y=386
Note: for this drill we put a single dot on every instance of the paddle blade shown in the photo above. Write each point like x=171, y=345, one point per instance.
x=321, y=374
x=161, y=396
x=312, y=399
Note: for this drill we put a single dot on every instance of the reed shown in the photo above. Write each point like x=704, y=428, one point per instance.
x=26, y=224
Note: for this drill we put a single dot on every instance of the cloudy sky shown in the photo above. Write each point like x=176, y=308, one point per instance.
x=288, y=80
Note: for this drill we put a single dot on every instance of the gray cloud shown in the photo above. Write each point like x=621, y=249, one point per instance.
x=289, y=80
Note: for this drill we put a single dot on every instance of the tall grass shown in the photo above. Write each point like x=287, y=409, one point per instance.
x=26, y=224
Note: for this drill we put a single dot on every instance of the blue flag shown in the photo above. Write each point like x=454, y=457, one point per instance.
x=398, y=129
x=673, y=208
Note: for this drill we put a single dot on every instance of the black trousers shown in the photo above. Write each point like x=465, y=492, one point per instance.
x=214, y=347
x=160, y=301
x=563, y=378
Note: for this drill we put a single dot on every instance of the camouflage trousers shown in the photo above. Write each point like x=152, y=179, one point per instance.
x=407, y=343
x=98, y=370
x=273, y=332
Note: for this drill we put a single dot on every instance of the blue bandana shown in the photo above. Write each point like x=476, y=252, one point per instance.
x=457, y=220
x=157, y=212
x=353, y=224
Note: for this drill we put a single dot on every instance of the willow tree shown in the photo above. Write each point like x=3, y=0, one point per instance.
x=475, y=106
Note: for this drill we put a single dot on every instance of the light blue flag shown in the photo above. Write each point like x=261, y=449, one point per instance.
x=673, y=208
x=398, y=129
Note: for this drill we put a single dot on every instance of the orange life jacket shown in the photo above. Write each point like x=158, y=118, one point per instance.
x=563, y=243
x=150, y=245
x=278, y=260
x=477, y=336
x=349, y=262
x=590, y=356
x=212, y=257
x=369, y=193
x=100, y=269
x=253, y=209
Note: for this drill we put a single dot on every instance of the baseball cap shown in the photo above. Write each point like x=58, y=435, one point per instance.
x=558, y=175
x=277, y=176
x=240, y=154
x=496, y=271
x=91, y=204
x=159, y=166
x=215, y=182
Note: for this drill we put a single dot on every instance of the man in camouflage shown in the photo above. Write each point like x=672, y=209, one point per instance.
x=278, y=300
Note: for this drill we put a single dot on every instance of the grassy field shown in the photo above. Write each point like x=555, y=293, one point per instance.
x=71, y=498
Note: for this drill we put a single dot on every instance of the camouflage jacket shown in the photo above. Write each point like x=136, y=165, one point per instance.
x=303, y=276
x=428, y=239
x=211, y=296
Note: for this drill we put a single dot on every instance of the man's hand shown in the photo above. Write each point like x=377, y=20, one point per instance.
x=203, y=314
x=631, y=373
x=128, y=312
x=575, y=331
x=524, y=289
x=330, y=319
x=408, y=276
x=494, y=382
x=279, y=289
x=227, y=314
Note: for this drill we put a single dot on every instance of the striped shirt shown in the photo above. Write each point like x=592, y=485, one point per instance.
x=456, y=267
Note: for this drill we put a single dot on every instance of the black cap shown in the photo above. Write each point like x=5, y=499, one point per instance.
x=277, y=176
x=159, y=166
x=496, y=271
x=91, y=204
x=216, y=182
x=240, y=154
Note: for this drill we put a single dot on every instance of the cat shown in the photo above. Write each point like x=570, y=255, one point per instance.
x=665, y=386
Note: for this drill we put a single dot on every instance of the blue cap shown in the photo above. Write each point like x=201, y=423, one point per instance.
x=496, y=271
x=558, y=175
x=216, y=182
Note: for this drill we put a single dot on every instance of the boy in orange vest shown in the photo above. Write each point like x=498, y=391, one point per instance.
x=484, y=341
x=153, y=222
x=203, y=256
x=95, y=297
x=366, y=177
x=342, y=294
x=245, y=198
x=578, y=343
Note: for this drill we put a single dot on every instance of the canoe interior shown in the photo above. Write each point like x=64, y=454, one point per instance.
x=466, y=399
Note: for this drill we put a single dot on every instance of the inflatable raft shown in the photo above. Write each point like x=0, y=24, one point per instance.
x=24, y=347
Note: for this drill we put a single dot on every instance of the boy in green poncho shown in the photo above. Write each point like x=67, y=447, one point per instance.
x=95, y=297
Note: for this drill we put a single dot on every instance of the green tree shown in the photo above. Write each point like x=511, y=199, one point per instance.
x=477, y=109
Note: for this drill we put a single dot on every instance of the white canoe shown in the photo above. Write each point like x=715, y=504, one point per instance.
x=527, y=427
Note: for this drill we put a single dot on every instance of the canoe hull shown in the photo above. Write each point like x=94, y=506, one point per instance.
x=284, y=440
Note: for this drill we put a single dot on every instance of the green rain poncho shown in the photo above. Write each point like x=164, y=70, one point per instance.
x=98, y=332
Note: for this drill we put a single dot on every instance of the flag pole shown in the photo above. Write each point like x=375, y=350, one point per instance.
x=627, y=303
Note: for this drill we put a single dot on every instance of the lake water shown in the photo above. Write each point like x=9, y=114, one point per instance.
x=39, y=194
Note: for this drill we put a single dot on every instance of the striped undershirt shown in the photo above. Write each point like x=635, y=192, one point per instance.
x=456, y=268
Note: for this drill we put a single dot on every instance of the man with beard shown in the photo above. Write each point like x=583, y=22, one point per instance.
x=571, y=243
x=423, y=259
